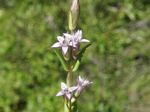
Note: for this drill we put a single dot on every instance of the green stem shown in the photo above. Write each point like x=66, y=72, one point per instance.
x=70, y=72
x=66, y=108
x=69, y=78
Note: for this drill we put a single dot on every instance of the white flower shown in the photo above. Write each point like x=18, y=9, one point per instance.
x=63, y=42
x=82, y=83
x=77, y=39
x=65, y=91
x=69, y=40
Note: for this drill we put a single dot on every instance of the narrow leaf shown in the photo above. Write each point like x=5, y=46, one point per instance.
x=74, y=107
x=76, y=66
x=63, y=62
x=79, y=57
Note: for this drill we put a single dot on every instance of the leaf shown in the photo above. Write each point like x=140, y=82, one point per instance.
x=62, y=60
x=76, y=66
x=65, y=108
x=70, y=22
x=79, y=57
x=74, y=107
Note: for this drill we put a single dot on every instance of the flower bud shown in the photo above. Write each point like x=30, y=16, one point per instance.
x=74, y=14
x=75, y=6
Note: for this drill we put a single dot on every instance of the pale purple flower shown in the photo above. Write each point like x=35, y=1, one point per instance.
x=77, y=39
x=65, y=91
x=68, y=40
x=63, y=42
x=82, y=83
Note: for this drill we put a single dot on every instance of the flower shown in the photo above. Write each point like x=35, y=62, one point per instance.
x=63, y=42
x=81, y=84
x=65, y=91
x=69, y=40
x=77, y=39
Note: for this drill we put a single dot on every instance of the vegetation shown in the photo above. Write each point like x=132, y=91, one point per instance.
x=118, y=62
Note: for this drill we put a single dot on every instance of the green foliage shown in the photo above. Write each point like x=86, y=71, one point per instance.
x=118, y=62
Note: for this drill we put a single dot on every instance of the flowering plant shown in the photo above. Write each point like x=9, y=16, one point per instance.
x=70, y=57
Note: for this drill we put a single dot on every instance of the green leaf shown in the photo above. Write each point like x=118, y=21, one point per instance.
x=74, y=107
x=62, y=60
x=79, y=57
x=70, y=22
x=76, y=66
x=65, y=108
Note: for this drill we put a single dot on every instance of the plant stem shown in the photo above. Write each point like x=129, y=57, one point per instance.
x=70, y=72
x=66, y=109
x=69, y=77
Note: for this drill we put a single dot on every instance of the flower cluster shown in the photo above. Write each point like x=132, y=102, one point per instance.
x=81, y=84
x=69, y=40
x=68, y=92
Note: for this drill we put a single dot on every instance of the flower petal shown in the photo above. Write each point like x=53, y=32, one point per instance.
x=71, y=89
x=64, y=49
x=86, y=83
x=63, y=86
x=57, y=44
x=80, y=79
x=60, y=39
x=83, y=82
x=60, y=93
x=68, y=95
x=84, y=40
x=67, y=35
x=79, y=35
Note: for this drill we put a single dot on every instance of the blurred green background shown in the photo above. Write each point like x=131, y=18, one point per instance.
x=118, y=62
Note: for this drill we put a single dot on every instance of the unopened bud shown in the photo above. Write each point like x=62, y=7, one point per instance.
x=74, y=14
x=75, y=6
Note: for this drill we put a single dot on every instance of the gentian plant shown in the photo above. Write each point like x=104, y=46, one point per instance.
x=69, y=51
